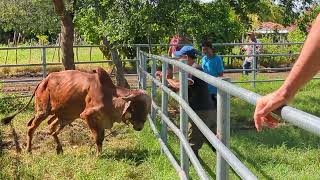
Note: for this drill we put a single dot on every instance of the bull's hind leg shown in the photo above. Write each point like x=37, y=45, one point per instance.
x=33, y=124
x=55, y=128
x=53, y=124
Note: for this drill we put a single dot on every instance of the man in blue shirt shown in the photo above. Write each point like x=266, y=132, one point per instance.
x=211, y=64
x=198, y=97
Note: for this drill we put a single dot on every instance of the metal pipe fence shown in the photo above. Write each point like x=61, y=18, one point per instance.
x=241, y=170
x=225, y=157
x=45, y=59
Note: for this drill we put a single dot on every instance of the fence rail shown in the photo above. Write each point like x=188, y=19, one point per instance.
x=44, y=58
x=225, y=156
x=298, y=118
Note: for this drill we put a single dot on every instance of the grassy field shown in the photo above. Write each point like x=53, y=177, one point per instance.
x=53, y=55
x=283, y=153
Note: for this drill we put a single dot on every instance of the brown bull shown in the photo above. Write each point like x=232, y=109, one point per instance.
x=68, y=95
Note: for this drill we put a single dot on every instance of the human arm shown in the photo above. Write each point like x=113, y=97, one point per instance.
x=307, y=65
x=169, y=73
x=170, y=50
x=174, y=84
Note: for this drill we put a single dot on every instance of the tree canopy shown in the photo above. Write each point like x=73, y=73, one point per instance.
x=29, y=16
x=140, y=21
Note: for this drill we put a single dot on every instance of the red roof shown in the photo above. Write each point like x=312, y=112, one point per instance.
x=276, y=26
x=291, y=27
x=270, y=26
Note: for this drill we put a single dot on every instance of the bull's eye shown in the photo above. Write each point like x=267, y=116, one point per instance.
x=127, y=115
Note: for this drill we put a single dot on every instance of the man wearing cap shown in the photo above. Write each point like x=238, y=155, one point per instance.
x=249, y=51
x=199, y=99
x=211, y=64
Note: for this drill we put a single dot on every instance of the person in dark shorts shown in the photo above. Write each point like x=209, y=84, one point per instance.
x=199, y=100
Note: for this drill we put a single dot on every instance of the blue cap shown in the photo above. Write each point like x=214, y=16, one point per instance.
x=186, y=50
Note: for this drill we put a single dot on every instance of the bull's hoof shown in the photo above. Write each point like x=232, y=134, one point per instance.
x=29, y=151
x=59, y=150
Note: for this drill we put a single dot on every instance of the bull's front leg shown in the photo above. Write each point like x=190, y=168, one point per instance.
x=93, y=116
x=97, y=134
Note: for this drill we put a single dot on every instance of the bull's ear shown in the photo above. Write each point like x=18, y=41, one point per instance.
x=126, y=106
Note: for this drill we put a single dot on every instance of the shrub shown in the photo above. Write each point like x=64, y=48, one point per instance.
x=9, y=104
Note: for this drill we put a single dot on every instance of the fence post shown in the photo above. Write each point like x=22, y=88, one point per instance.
x=44, y=62
x=223, y=131
x=153, y=88
x=138, y=64
x=184, y=119
x=254, y=65
x=144, y=68
x=164, y=103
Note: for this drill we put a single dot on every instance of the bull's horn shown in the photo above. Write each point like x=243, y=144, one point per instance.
x=129, y=97
x=134, y=95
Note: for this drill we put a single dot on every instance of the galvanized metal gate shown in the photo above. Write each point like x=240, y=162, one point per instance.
x=225, y=157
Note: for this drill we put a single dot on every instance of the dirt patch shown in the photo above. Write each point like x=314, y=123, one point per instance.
x=24, y=88
x=14, y=138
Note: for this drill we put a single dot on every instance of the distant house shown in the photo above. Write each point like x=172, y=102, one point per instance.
x=276, y=31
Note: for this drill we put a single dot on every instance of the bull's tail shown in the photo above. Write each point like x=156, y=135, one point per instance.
x=8, y=119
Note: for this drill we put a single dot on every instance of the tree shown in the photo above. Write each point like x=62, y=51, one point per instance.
x=308, y=17
x=67, y=31
x=267, y=10
x=32, y=17
x=93, y=22
x=292, y=9
x=216, y=21
x=243, y=8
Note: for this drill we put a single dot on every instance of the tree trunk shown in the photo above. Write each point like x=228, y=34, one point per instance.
x=121, y=80
x=67, y=31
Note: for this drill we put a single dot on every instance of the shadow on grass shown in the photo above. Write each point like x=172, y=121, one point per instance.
x=290, y=136
x=253, y=163
x=176, y=155
x=308, y=104
x=15, y=139
x=207, y=168
x=136, y=156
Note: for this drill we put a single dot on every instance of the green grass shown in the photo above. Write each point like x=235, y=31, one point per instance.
x=33, y=56
x=126, y=155
x=53, y=55
x=286, y=152
x=306, y=99
x=283, y=153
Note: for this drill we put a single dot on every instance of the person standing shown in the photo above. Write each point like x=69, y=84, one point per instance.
x=211, y=64
x=249, y=49
x=198, y=98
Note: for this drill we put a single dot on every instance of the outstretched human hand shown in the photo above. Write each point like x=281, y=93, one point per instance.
x=264, y=106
